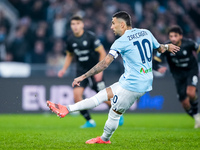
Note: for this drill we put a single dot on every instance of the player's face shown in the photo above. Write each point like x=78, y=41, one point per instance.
x=175, y=38
x=77, y=26
x=116, y=26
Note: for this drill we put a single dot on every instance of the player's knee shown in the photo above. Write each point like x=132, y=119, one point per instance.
x=113, y=115
x=108, y=103
x=191, y=94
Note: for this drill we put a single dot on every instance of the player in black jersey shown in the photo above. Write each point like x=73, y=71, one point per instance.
x=88, y=51
x=184, y=68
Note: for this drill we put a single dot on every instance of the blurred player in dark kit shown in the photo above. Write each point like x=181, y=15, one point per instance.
x=184, y=68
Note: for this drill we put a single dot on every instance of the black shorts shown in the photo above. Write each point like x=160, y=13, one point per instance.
x=184, y=79
x=96, y=86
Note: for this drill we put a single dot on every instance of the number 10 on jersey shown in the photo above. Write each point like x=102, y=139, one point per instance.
x=145, y=48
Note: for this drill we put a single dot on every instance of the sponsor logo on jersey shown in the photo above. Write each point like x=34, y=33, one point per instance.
x=145, y=71
x=97, y=42
x=74, y=45
x=184, y=52
x=81, y=52
x=85, y=43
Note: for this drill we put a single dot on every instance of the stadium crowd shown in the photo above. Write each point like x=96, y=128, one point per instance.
x=43, y=25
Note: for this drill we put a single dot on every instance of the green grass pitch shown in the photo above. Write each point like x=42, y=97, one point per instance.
x=139, y=132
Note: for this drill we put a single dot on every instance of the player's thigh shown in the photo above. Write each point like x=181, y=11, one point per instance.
x=78, y=93
x=123, y=99
x=192, y=78
x=192, y=81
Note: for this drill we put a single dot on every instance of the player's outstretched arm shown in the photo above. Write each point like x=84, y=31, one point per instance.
x=102, y=65
x=68, y=60
x=168, y=47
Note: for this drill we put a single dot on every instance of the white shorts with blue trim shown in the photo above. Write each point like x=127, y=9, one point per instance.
x=123, y=99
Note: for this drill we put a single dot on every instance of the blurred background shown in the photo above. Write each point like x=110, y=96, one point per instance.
x=32, y=47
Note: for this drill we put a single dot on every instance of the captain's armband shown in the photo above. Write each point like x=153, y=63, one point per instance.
x=114, y=53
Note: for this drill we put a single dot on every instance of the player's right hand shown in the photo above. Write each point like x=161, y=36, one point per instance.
x=61, y=73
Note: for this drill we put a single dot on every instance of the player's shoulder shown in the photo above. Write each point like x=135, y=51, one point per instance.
x=141, y=30
x=120, y=40
x=188, y=40
x=190, y=43
x=90, y=33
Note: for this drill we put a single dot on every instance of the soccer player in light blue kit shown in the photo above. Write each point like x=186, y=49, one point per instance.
x=136, y=47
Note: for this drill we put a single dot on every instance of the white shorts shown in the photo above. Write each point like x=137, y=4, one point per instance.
x=123, y=99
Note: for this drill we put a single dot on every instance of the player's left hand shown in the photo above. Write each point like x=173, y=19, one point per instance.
x=77, y=81
x=173, y=48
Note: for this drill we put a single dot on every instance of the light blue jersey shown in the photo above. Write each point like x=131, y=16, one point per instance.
x=136, y=48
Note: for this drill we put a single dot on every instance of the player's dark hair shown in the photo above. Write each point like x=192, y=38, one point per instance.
x=176, y=29
x=76, y=18
x=123, y=15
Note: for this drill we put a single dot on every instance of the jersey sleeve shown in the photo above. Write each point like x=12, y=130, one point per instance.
x=116, y=46
x=155, y=43
x=194, y=45
x=96, y=41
